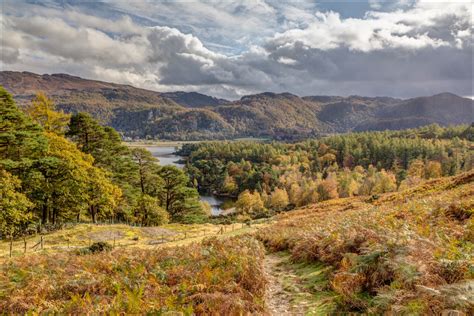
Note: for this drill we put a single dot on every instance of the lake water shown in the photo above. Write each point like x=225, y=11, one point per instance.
x=166, y=156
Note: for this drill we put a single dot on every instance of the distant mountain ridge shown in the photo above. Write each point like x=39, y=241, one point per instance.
x=140, y=113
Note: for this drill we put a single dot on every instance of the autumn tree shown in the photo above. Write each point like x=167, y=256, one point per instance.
x=15, y=207
x=279, y=199
x=433, y=170
x=249, y=203
x=43, y=111
x=327, y=189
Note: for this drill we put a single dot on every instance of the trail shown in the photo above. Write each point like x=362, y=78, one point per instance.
x=282, y=288
x=297, y=289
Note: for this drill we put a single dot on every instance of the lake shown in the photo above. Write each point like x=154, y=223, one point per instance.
x=167, y=157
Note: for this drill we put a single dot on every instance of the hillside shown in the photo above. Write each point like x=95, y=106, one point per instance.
x=143, y=113
x=408, y=252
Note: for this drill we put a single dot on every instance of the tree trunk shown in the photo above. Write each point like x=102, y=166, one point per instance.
x=45, y=215
x=92, y=211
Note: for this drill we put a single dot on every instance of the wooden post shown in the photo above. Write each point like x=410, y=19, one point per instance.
x=24, y=241
x=162, y=238
x=11, y=246
x=114, y=242
x=41, y=241
x=185, y=235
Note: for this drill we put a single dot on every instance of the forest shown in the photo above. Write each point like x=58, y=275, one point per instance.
x=369, y=222
x=274, y=176
x=56, y=168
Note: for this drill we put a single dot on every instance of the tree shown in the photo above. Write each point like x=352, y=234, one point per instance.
x=43, y=111
x=181, y=202
x=327, y=189
x=21, y=140
x=87, y=134
x=150, y=213
x=416, y=168
x=70, y=177
x=148, y=171
x=279, y=199
x=384, y=182
x=249, y=203
x=433, y=170
x=14, y=206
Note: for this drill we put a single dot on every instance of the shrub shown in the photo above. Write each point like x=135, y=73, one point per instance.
x=100, y=246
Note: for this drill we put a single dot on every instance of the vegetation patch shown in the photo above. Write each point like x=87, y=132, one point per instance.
x=214, y=277
x=401, y=253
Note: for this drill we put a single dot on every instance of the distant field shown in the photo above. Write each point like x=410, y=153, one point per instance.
x=120, y=235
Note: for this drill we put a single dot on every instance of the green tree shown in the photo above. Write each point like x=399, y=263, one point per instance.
x=180, y=201
x=150, y=213
x=148, y=171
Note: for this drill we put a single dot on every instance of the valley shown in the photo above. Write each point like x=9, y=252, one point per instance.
x=364, y=222
x=144, y=114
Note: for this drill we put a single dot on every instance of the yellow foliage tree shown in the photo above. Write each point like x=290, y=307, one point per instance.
x=279, y=199
x=249, y=203
x=43, y=111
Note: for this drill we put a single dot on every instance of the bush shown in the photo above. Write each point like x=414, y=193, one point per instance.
x=100, y=247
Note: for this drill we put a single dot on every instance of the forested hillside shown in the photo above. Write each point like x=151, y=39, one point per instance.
x=278, y=176
x=57, y=168
x=140, y=113
x=370, y=222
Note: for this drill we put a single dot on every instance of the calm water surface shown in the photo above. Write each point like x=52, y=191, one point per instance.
x=167, y=157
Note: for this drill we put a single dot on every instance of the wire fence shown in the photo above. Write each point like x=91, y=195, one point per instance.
x=43, y=242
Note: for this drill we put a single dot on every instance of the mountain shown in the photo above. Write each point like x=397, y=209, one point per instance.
x=193, y=99
x=140, y=113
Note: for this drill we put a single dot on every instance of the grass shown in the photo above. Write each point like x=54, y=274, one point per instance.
x=406, y=252
x=82, y=235
x=308, y=284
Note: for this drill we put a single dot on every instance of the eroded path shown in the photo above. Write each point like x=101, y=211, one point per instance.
x=296, y=289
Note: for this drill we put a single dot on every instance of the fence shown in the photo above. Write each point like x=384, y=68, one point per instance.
x=43, y=242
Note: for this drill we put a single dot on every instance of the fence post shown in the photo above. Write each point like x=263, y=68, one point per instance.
x=24, y=240
x=114, y=242
x=41, y=241
x=11, y=245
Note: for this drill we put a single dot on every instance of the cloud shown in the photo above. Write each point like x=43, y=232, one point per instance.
x=230, y=49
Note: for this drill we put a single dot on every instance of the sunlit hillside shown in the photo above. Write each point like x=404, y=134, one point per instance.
x=408, y=252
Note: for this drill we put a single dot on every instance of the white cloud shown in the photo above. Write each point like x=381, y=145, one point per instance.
x=279, y=47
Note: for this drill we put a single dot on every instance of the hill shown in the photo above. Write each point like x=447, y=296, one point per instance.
x=408, y=252
x=140, y=113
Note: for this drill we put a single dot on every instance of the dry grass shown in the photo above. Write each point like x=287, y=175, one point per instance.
x=82, y=235
x=217, y=276
x=407, y=252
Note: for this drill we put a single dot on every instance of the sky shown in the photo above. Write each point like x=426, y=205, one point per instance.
x=399, y=48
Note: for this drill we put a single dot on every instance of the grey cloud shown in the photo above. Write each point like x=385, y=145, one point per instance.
x=420, y=50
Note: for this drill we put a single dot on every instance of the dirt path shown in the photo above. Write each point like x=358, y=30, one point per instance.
x=283, y=286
